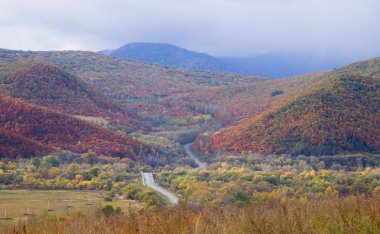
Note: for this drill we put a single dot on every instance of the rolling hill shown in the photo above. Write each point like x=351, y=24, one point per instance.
x=338, y=114
x=128, y=81
x=157, y=94
x=63, y=132
x=179, y=102
x=48, y=85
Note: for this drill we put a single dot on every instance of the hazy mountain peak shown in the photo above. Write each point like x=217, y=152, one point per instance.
x=169, y=55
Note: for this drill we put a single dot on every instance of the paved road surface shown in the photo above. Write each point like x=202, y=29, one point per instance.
x=148, y=180
x=189, y=152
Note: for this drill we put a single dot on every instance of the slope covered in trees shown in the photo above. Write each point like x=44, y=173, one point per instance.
x=12, y=145
x=162, y=97
x=160, y=94
x=48, y=85
x=179, y=104
x=339, y=114
x=128, y=81
x=61, y=131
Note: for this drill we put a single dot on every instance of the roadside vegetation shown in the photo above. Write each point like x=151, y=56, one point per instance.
x=227, y=180
x=116, y=178
x=243, y=180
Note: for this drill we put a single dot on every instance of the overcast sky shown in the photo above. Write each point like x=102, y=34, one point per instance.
x=217, y=27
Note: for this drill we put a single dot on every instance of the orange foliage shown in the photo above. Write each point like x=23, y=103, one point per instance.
x=12, y=145
x=48, y=85
x=337, y=115
x=59, y=130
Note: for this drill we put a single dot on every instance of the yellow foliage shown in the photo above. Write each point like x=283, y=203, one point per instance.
x=239, y=170
x=308, y=174
x=224, y=165
x=12, y=166
x=304, y=200
x=325, y=173
x=78, y=177
x=85, y=185
x=283, y=201
x=202, y=117
x=331, y=191
x=54, y=172
x=289, y=174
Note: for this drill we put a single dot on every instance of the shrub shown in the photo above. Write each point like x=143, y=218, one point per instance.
x=108, y=210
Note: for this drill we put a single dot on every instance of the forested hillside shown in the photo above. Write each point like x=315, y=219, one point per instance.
x=169, y=96
x=48, y=85
x=12, y=146
x=161, y=106
x=55, y=129
x=339, y=114
x=161, y=97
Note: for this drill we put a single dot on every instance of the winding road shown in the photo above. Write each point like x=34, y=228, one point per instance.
x=190, y=153
x=148, y=180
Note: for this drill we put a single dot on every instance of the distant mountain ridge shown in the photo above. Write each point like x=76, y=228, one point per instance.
x=170, y=56
x=286, y=64
x=271, y=64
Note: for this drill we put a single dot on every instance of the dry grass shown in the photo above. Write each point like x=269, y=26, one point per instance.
x=59, y=203
x=356, y=214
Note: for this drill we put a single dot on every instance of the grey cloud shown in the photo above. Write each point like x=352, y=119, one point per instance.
x=219, y=27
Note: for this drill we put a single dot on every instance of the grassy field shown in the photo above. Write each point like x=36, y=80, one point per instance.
x=351, y=215
x=19, y=204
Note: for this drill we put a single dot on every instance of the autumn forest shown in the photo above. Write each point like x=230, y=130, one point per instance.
x=243, y=154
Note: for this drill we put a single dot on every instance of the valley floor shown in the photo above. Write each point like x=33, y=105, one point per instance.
x=234, y=194
x=16, y=205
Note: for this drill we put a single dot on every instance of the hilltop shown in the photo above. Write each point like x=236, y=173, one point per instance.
x=338, y=114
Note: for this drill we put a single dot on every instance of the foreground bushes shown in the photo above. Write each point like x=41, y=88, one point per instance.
x=353, y=214
x=143, y=194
